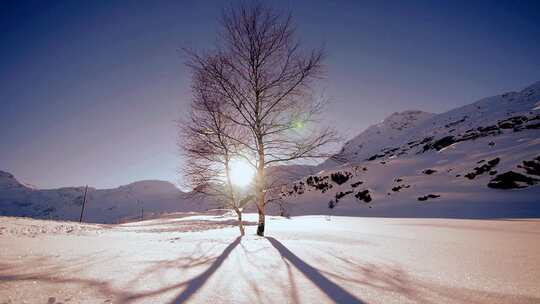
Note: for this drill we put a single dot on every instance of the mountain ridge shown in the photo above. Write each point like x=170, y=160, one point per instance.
x=109, y=205
x=460, y=163
x=392, y=168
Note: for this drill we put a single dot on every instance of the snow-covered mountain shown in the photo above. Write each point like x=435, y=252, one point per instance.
x=479, y=160
x=383, y=134
x=142, y=198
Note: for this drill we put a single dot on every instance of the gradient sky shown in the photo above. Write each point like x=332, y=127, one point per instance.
x=90, y=90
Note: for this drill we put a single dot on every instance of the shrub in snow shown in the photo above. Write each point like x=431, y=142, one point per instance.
x=340, y=178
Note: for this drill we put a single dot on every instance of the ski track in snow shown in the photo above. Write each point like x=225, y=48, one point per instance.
x=198, y=258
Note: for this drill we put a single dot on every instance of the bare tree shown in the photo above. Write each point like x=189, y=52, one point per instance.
x=208, y=148
x=260, y=72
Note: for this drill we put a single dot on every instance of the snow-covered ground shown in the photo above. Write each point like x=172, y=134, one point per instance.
x=198, y=258
x=428, y=174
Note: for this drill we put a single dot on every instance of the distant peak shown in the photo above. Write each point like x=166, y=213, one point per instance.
x=406, y=117
x=8, y=180
x=5, y=174
x=150, y=182
x=534, y=87
x=409, y=113
x=154, y=185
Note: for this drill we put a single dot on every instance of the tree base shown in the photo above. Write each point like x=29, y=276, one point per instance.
x=260, y=229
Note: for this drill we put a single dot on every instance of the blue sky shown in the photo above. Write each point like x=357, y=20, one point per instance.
x=90, y=90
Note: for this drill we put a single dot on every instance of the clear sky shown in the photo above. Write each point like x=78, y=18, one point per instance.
x=90, y=90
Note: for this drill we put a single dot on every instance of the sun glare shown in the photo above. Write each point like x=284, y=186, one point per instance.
x=241, y=172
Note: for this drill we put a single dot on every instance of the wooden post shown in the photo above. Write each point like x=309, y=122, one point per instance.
x=142, y=213
x=83, y=203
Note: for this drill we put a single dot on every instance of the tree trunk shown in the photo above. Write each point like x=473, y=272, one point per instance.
x=240, y=223
x=260, y=186
x=260, y=226
x=260, y=194
x=232, y=197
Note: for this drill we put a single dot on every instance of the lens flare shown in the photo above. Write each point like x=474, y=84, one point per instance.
x=241, y=172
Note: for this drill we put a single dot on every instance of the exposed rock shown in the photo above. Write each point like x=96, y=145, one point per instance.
x=363, y=196
x=429, y=171
x=319, y=183
x=374, y=157
x=532, y=166
x=512, y=180
x=340, y=195
x=340, y=177
x=483, y=169
x=358, y=183
x=457, y=122
x=441, y=143
x=426, y=197
x=488, y=128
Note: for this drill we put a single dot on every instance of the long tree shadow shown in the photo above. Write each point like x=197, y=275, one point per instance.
x=331, y=289
x=105, y=288
x=196, y=283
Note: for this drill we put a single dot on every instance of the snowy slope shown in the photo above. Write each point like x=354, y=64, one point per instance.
x=308, y=259
x=376, y=137
x=420, y=164
x=280, y=174
x=102, y=205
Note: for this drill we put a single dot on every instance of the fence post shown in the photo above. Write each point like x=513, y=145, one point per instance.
x=83, y=203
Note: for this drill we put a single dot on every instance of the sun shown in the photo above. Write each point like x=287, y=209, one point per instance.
x=241, y=172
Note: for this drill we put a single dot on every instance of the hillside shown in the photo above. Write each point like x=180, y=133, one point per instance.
x=142, y=198
x=479, y=160
x=375, y=137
